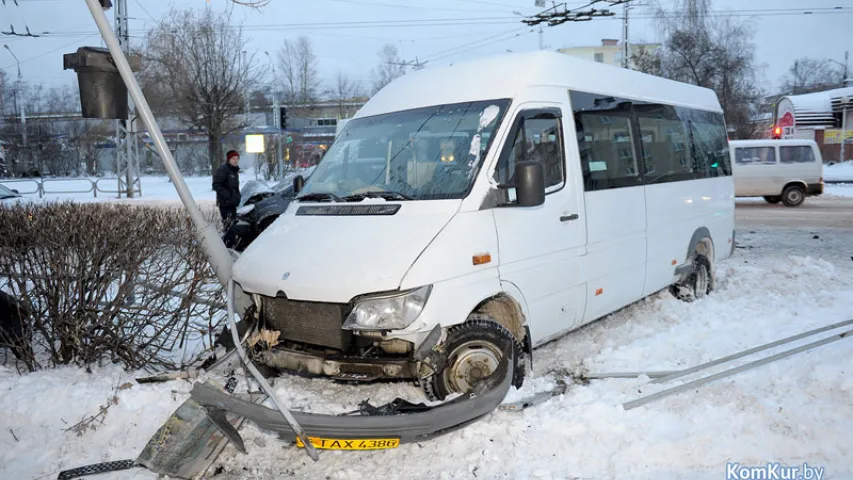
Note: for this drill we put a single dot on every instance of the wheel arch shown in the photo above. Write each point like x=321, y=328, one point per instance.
x=701, y=243
x=507, y=311
x=799, y=183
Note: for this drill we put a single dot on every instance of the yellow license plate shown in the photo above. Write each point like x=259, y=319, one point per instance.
x=351, y=444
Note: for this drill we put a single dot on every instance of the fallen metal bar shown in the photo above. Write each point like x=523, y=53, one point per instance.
x=659, y=374
x=750, y=351
x=727, y=373
x=412, y=427
x=283, y=411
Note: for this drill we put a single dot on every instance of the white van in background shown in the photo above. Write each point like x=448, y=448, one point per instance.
x=778, y=170
x=469, y=213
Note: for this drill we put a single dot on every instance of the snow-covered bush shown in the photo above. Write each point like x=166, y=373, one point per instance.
x=107, y=283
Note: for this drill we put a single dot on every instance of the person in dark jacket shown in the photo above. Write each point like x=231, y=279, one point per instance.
x=226, y=183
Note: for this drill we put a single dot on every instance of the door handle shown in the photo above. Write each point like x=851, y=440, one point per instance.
x=566, y=218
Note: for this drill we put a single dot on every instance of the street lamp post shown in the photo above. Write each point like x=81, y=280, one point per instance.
x=846, y=101
x=17, y=95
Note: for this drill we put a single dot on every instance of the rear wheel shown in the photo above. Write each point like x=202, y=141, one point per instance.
x=793, y=196
x=699, y=284
x=474, y=351
x=773, y=199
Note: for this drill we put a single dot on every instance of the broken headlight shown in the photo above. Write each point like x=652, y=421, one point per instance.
x=388, y=312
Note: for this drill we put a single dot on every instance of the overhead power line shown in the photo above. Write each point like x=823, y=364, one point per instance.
x=559, y=14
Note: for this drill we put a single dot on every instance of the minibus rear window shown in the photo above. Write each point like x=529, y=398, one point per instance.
x=798, y=154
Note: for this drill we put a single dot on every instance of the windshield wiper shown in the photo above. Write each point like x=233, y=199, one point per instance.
x=319, y=197
x=387, y=195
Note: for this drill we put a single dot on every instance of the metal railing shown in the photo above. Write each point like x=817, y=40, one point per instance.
x=39, y=186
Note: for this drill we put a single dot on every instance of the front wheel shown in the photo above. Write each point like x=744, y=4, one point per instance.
x=474, y=350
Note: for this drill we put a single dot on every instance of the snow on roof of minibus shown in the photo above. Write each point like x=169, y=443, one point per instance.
x=503, y=76
x=771, y=141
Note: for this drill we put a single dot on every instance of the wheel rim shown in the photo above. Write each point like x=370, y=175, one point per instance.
x=471, y=362
x=795, y=196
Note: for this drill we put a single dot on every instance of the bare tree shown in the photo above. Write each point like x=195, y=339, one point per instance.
x=342, y=91
x=715, y=52
x=646, y=60
x=390, y=66
x=810, y=75
x=299, y=71
x=193, y=69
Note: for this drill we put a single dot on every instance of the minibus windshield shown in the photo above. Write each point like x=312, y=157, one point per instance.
x=421, y=154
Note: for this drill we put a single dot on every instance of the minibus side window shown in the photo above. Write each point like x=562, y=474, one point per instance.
x=665, y=141
x=607, y=141
x=755, y=156
x=538, y=137
x=799, y=154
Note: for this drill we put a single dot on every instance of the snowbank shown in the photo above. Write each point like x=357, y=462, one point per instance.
x=793, y=411
x=838, y=191
x=839, y=171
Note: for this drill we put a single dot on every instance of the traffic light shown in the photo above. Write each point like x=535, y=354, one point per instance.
x=282, y=117
x=777, y=133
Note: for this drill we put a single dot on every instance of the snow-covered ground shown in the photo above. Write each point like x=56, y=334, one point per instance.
x=839, y=171
x=838, y=190
x=792, y=411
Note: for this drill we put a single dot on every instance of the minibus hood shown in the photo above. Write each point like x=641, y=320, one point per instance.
x=333, y=258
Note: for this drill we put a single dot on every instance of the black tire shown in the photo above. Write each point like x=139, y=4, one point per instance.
x=793, y=196
x=482, y=341
x=773, y=199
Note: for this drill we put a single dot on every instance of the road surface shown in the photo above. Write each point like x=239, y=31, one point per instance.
x=816, y=212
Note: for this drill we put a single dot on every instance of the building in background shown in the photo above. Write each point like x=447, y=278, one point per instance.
x=818, y=116
x=610, y=51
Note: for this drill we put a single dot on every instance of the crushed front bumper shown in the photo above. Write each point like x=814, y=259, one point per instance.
x=413, y=423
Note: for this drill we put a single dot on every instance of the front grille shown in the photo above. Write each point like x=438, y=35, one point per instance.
x=307, y=322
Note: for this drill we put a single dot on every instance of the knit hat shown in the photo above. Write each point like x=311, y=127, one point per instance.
x=231, y=153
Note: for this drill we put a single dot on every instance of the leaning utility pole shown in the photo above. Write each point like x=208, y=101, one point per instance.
x=127, y=153
x=625, y=36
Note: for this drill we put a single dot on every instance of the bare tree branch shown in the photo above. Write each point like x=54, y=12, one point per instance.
x=715, y=52
x=390, y=67
x=810, y=75
x=194, y=69
x=298, y=65
x=342, y=91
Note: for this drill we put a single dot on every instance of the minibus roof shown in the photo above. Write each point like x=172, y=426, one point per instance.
x=506, y=76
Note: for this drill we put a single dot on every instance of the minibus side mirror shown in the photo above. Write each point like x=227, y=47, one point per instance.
x=529, y=183
x=298, y=183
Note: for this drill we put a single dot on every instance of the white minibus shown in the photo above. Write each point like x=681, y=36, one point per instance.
x=778, y=170
x=470, y=213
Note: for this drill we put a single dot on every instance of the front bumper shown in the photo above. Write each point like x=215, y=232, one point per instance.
x=414, y=424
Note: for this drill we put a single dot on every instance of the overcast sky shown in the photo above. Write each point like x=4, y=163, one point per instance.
x=782, y=31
